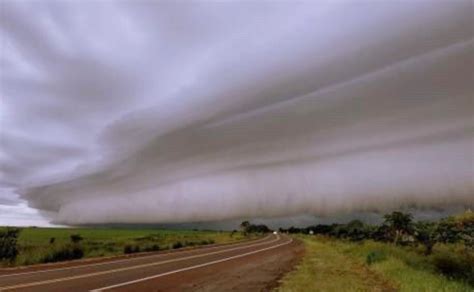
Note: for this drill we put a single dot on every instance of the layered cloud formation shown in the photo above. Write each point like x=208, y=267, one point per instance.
x=156, y=112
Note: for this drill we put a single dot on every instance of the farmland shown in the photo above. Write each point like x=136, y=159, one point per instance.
x=38, y=245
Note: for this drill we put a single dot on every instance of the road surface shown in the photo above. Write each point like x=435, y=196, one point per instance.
x=244, y=266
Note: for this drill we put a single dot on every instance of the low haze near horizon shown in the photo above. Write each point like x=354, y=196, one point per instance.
x=174, y=112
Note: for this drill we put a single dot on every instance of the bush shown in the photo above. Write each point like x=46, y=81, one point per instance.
x=76, y=238
x=8, y=244
x=131, y=249
x=64, y=253
x=456, y=266
x=425, y=233
x=177, y=245
x=375, y=257
x=127, y=249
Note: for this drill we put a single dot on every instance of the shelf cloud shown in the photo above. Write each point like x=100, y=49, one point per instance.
x=162, y=112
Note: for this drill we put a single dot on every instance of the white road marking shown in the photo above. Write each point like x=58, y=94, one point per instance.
x=128, y=259
x=128, y=268
x=190, y=268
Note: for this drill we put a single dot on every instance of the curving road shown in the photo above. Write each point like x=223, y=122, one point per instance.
x=178, y=270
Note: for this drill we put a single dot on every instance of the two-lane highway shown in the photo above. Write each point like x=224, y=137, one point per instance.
x=131, y=273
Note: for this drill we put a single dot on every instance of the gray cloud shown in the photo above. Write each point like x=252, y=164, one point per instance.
x=171, y=112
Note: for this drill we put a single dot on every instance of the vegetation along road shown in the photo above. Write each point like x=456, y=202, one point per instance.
x=400, y=254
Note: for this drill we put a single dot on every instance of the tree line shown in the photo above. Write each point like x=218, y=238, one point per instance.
x=401, y=229
x=246, y=227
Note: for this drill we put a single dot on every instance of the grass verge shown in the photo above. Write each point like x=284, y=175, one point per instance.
x=335, y=265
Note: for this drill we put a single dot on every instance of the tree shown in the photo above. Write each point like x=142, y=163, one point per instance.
x=8, y=244
x=244, y=225
x=399, y=225
x=293, y=229
x=356, y=230
x=321, y=229
x=257, y=228
x=425, y=233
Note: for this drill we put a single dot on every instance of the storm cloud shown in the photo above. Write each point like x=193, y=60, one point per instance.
x=157, y=112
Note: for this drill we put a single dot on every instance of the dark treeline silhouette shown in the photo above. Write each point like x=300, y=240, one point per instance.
x=247, y=227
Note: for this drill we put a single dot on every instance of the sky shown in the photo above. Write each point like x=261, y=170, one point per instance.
x=173, y=112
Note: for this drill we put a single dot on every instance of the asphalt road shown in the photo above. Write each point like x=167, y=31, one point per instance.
x=154, y=272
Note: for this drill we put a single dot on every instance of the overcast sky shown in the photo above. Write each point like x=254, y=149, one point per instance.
x=174, y=111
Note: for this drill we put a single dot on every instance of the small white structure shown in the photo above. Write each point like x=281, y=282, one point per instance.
x=311, y=232
x=274, y=232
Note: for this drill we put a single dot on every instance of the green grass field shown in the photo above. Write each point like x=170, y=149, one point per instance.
x=336, y=265
x=35, y=243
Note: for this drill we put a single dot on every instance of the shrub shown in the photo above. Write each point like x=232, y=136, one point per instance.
x=52, y=240
x=357, y=230
x=177, y=245
x=127, y=249
x=76, y=238
x=64, y=253
x=375, y=257
x=425, y=233
x=455, y=266
x=131, y=249
x=457, y=228
x=8, y=244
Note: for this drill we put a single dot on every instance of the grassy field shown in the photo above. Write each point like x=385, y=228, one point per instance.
x=336, y=265
x=36, y=244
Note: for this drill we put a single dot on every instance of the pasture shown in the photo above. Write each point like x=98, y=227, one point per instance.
x=38, y=245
